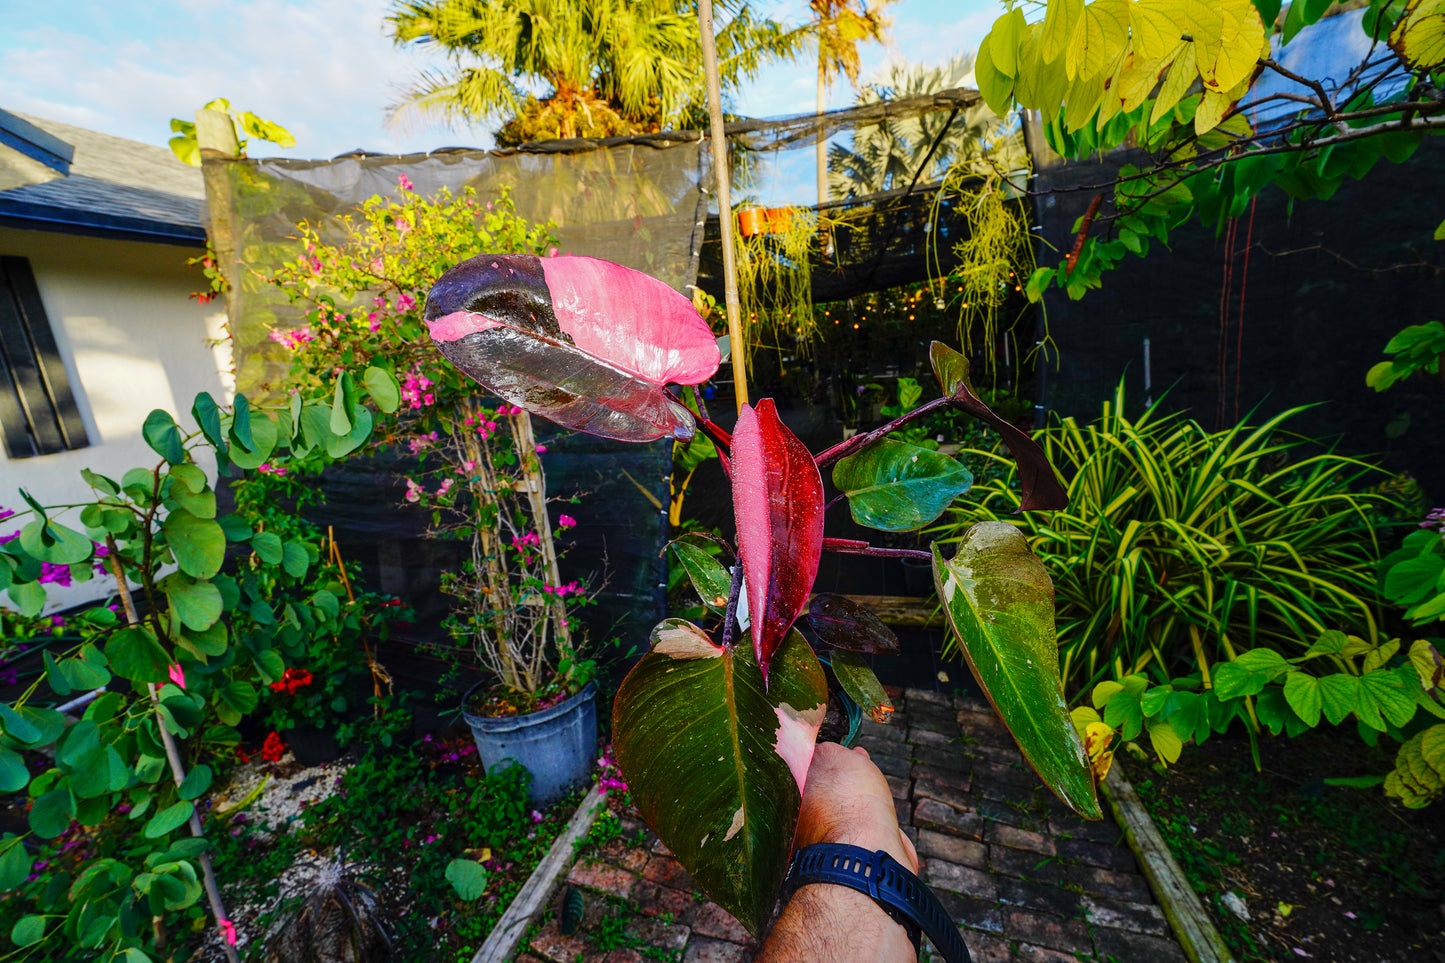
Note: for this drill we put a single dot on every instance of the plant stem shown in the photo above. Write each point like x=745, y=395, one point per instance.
x=173, y=756
x=849, y=445
x=731, y=618
x=853, y=546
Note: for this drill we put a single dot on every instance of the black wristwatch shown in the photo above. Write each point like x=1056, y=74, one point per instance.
x=899, y=893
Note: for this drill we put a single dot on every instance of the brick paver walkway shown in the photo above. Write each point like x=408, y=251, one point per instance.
x=1025, y=878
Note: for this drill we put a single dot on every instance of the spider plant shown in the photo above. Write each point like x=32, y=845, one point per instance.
x=1181, y=546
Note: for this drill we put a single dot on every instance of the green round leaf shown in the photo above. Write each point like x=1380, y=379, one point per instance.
x=383, y=388
x=294, y=559
x=14, y=862
x=133, y=653
x=338, y=446
x=468, y=877
x=198, y=544
x=197, y=781
x=898, y=487
x=28, y=930
x=267, y=545
x=198, y=604
x=168, y=820
x=28, y=598
x=13, y=774
x=51, y=814
x=262, y=439
x=52, y=542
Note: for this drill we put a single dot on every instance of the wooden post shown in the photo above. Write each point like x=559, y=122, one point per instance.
x=216, y=137
x=724, y=202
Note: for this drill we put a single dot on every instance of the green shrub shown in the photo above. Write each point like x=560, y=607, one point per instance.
x=1181, y=546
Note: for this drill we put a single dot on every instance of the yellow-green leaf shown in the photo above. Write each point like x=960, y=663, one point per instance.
x=1007, y=33
x=996, y=86
x=1159, y=26
x=1000, y=604
x=1102, y=32
x=1083, y=101
x=1419, y=36
x=1166, y=742
x=1176, y=82
x=1240, y=39
x=1061, y=19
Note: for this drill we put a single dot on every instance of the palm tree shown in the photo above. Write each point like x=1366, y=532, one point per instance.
x=889, y=154
x=840, y=26
x=569, y=68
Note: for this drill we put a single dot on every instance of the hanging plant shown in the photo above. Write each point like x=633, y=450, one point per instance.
x=775, y=279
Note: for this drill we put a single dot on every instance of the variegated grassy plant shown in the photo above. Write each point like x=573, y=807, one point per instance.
x=1183, y=546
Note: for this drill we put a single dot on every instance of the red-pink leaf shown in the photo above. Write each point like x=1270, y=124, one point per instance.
x=778, y=502
x=586, y=343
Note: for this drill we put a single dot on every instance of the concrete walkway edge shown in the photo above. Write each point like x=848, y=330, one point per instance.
x=532, y=898
x=1181, y=906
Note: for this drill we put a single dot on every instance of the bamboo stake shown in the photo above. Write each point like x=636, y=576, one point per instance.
x=724, y=202
x=178, y=769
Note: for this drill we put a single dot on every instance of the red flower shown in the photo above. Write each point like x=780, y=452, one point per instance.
x=274, y=748
x=291, y=680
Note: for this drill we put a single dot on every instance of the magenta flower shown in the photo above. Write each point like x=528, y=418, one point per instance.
x=541, y=449
x=177, y=674
x=566, y=521
x=404, y=183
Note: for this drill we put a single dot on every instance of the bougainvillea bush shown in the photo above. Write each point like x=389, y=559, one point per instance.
x=479, y=468
x=714, y=728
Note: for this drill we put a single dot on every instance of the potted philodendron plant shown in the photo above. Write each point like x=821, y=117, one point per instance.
x=715, y=727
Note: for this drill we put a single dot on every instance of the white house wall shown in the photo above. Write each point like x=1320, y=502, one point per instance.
x=132, y=340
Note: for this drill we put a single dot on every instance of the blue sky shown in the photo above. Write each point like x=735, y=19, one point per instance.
x=323, y=68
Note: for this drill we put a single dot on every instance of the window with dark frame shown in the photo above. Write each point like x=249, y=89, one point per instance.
x=38, y=413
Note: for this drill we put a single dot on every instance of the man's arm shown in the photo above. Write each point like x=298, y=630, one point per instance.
x=847, y=800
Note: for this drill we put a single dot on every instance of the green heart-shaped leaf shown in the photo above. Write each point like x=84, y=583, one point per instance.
x=715, y=761
x=133, y=653
x=196, y=603
x=198, y=544
x=161, y=433
x=1000, y=603
x=897, y=487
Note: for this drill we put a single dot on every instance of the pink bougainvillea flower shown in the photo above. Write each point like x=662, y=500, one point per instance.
x=228, y=930
x=566, y=521
x=177, y=674
x=404, y=183
x=541, y=449
x=586, y=343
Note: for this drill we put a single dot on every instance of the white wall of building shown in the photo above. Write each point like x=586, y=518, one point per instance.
x=132, y=340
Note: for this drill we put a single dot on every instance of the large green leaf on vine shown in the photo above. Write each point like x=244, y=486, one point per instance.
x=198, y=544
x=1000, y=603
x=716, y=761
x=898, y=487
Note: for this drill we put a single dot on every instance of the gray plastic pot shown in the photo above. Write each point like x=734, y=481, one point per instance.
x=556, y=745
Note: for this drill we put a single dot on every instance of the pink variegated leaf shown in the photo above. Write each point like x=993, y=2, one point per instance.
x=778, y=503
x=583, y=342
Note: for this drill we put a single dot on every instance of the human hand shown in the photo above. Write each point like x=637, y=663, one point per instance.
x=847, y=800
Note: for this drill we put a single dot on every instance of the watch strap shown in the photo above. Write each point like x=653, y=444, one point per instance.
x=900, y=893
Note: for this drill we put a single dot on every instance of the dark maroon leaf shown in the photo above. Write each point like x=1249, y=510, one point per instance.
x=586, y=343
x=845, y=624
x=1040, y=486
x=778, y=502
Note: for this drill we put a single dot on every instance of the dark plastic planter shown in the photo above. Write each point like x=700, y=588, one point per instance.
x=556, y=745
x=311, y=746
